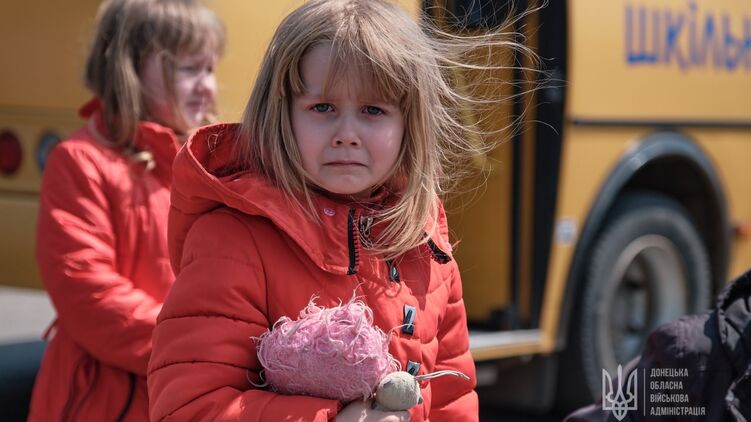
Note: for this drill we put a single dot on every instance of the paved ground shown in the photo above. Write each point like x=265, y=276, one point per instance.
x=24, y=314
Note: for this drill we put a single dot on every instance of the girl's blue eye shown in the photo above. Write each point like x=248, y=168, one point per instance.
x=322, y=108
x=373, y=110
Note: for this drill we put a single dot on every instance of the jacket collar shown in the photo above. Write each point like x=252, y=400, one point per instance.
x=202, y=184
x=160, y=141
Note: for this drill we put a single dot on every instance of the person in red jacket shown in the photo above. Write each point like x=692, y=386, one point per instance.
x=330, y=186
x=102, y=227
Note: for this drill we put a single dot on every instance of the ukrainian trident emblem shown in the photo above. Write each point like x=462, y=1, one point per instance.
x=620, y=402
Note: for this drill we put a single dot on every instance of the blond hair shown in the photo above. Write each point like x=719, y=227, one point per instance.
x=127, y=32
x=413, y=66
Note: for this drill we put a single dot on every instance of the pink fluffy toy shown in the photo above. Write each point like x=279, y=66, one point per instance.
x=337, y=353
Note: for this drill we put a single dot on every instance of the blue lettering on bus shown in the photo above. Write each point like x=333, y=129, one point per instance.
x=687, y=38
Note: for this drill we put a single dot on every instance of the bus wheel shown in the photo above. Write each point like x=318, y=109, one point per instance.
x=648, y=266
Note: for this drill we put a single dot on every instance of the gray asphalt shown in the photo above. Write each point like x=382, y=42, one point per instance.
x=24, y=314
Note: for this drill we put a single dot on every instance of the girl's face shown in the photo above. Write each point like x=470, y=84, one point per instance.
x=349, y=141
x=194, y=88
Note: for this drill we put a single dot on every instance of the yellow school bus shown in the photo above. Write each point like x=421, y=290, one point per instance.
x=620, y=201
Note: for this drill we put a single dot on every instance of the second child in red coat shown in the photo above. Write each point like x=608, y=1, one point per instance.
x=350, y=134
x=102, y=227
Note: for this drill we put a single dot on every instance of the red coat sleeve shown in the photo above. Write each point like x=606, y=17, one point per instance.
x=204, y=357
x=454, y=399
x=100, y=309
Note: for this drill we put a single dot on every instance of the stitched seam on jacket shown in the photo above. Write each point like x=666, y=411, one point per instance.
x=192, y=362
x=219, y=258
x=443, y=406
x=170, y=414
x=445, y=282
x=211, y=315
x=262, y=269
x=233, y=214
x=460, y=354
x=228, y=212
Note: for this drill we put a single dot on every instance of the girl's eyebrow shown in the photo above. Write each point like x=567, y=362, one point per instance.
x=364, y=99
x=371, y=96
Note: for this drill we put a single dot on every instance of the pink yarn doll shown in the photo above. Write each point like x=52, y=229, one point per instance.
x=337, y=353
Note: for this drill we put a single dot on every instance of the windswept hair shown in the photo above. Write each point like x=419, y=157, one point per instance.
x=127, y=32
x=416, y=65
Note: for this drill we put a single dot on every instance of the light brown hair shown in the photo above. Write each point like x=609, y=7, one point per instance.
x=128, y=31
x=411, y=65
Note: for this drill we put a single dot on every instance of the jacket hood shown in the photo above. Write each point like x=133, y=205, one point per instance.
x=200, y=185
x=733, y=313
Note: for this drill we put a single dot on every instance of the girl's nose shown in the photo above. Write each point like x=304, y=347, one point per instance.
x=338, y=141
x=346, y=134
x=206, y=83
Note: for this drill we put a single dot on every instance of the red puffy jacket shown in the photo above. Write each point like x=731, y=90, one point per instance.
x=102, y=253
x=244, y=257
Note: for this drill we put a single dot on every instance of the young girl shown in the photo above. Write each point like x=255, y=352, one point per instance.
x=343, y=149
x=102, y=228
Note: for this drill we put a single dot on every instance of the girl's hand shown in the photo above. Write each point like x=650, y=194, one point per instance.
x=361, y=411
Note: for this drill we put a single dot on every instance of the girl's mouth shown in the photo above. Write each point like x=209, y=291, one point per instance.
x=345, y=163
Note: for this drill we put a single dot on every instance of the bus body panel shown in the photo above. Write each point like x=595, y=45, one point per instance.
x=672, y=60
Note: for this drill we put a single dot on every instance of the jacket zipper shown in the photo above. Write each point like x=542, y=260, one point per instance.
x=351, y=245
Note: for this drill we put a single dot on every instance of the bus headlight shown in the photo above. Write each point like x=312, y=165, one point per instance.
x=10, y=153
x=46, y=143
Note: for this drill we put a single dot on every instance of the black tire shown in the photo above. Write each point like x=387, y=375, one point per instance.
x=647, y=266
